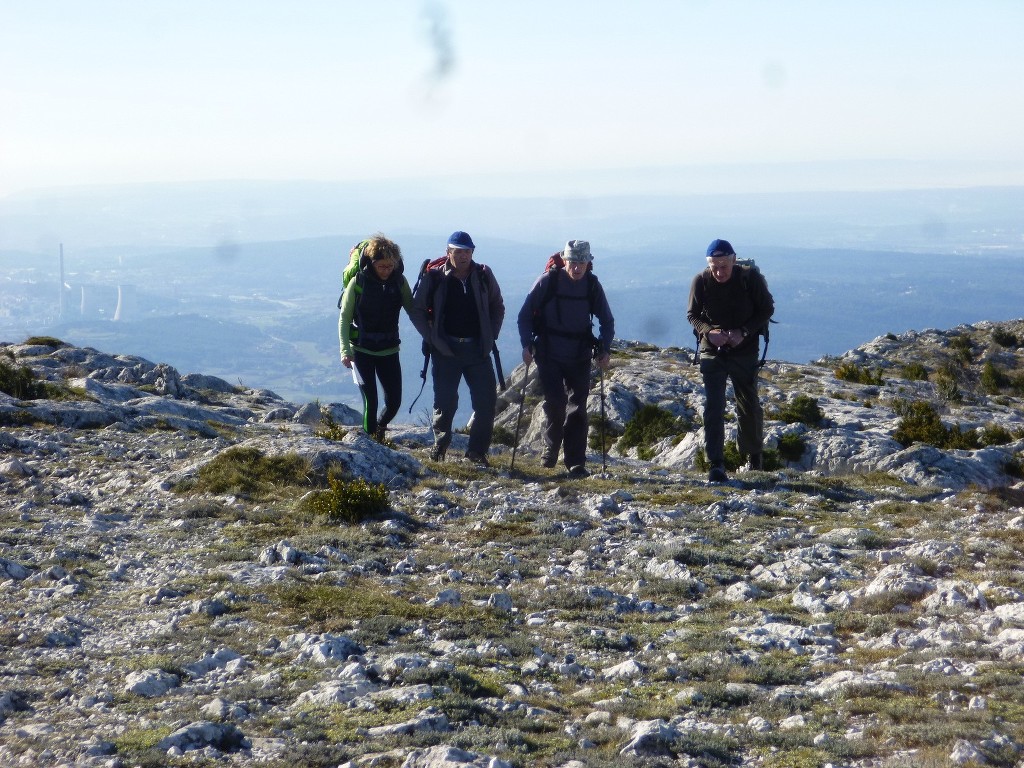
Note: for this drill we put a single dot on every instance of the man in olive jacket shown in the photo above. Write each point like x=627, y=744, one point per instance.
x=728, y=306
x=458, y=310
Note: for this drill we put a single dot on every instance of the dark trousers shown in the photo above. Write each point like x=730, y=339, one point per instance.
x=447, y=372
x=566, y=386
x=388, y=370
x=741, y=370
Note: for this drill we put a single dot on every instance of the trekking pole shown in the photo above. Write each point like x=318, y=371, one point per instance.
x=423, y=373
x=604, y=448
x=519, y=418
x=497, y=367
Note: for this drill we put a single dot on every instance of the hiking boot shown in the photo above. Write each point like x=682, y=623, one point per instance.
x=379, y=434
x=717, y=474
x=478, y=459
x=578, y=471
x=548, y=461
x=437, y=454
x=756, y=462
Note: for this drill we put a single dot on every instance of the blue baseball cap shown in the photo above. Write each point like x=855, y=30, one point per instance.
x=720, y=248
x=461, y=239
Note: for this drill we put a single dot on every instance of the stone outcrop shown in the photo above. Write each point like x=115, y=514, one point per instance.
x=833, y=610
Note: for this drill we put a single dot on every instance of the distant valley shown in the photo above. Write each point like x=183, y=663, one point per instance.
x=265, y=312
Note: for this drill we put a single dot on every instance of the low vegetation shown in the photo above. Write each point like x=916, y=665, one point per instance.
x=648, y=426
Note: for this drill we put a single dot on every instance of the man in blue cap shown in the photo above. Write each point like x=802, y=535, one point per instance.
x=458, y=310
x=728, y=307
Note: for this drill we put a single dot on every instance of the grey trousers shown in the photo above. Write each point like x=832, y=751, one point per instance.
x=447, y=373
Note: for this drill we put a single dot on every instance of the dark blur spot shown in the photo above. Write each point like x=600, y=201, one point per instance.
x=655, y=328
x=226, y=251
x=439, y=36
x=934, y=229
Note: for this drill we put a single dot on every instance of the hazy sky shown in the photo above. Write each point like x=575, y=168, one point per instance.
x=111, y=91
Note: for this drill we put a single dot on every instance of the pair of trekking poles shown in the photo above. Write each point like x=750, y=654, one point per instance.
x=519, y=421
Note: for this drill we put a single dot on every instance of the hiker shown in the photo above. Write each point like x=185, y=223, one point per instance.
x=458, y=310
x=368, y=329
x=555, y=330
x=728, y=307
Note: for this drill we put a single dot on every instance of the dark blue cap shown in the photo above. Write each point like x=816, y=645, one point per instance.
x=720, y=248
x=460, y=240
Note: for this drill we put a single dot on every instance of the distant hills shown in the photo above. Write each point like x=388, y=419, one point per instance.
x=214, y=277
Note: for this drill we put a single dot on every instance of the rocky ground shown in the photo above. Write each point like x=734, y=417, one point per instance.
x=171, y=595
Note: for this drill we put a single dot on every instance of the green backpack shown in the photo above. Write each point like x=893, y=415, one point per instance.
x=356, y=262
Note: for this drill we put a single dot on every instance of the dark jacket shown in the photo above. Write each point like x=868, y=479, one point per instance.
x=368, y=321
x=742, y=302
x=428, y=306
x=557, y=319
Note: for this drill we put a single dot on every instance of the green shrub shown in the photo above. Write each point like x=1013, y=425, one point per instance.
x=611, y=433
x=19, y=382
x=1005, y=338
x=733, y=459
x=348, y=501
x=994, y=434
x=961, y=346
x=857, y=373
x=45, y=341
x=947, y=388
x=1014, y=468
x=803, y=409
x=919, y=423
x=791, y=447
x=992, y=379
x=915, y=372
x=329, y=429
x=649, y=425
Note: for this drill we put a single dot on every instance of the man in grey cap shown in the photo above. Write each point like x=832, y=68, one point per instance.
x=556, y=331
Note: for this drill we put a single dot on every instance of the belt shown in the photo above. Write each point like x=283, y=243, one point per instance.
x=461, y=340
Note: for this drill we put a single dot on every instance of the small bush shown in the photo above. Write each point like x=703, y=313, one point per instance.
x=919, y=423
x=611, y=433
x=992, y=379
x=791, y=447
x=947, y=388
x=649, y=425
x=803, y=409
x=329, y=429
x=19, y=382
x=733, y=459
x=994, y=434
x=348, y=501
x=45, y=341
x=858, y=373
x=961, y=346
x=1005, y=338
x=915, y=372
x=504, y=436
x=1014, y=468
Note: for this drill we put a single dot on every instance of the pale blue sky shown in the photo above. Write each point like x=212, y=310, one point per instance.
x=113, y=91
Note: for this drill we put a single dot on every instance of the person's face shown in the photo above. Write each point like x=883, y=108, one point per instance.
x=721, y=267
x=384, y=267
x=575, y=269
x=460, y=257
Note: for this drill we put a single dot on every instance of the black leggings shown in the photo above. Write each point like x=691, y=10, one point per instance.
x=388, y=370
